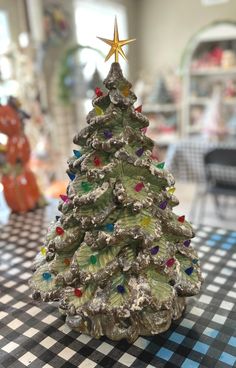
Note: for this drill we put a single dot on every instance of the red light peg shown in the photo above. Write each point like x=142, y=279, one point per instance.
x=181, y=218
x=97, y=161
x=78, y=293
x=170, y=262
x=139, y=108
x=59, y=230
x=98, y=92
x=64, y=198
x=67, y=261
x=138, y=187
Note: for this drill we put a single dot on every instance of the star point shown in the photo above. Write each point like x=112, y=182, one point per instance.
x=116, y=44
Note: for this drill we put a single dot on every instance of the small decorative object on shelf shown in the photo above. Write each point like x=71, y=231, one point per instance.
x=129, y=270
x=72, y=83
x=208, y=59
x=19, y=184
x=228, y=59
x=161, y=94
x=162, y=108
x=230, y=91
x=214, y=125
x=56, y=25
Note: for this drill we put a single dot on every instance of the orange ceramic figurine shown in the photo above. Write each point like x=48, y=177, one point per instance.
x=19, y=184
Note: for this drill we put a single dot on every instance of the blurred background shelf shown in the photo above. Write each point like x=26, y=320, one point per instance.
x=209, y=76
x=152, y=109
x=164, y=140
x=164, y=127
x=205, y=101
x=213, y=71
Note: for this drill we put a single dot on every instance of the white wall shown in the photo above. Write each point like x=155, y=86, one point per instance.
x=167, y=25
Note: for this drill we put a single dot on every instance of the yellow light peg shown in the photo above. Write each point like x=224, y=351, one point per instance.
x=99, y=111
x=125, y=91
x=43, y=251
x=171, y=190
x=145, y=222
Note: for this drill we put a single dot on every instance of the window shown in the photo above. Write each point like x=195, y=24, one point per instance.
x=5, y=38
x=213, y=2
x=97, y=19
x=8, y=86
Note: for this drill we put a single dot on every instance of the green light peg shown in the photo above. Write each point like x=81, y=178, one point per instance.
x=85, y=186
x=93, y=259
x=160, y=165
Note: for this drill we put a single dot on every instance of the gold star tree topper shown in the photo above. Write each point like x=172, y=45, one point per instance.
x=116, y=44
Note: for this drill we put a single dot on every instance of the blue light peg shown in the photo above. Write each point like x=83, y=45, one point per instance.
x=120, y=289
x=47, y=276
x=71, y=176
x=189, y=271
x=109, y=227
x=78, y=154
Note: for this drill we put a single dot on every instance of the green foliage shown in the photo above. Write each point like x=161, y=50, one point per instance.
x=160, y=289
x=103, y=257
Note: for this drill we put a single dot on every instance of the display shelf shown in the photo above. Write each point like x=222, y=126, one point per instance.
x=195, y=129
x=230, y=101
x=203, y=101
x=155, y=113
x=204, y=80
x=213, y=71
x=199, y=101
x=153, y=109
x=166, y=139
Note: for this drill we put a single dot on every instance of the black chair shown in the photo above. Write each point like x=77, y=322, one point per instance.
x=220, y=175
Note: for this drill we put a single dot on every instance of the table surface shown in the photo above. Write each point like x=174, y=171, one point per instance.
x=32, y=334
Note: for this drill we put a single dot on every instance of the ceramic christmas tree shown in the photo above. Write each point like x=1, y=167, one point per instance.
x=95, y=81
x=160, y=94
x=118, y=260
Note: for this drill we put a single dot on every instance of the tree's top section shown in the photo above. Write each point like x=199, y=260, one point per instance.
x=119, y=87
x=115, y=78
x=114, y=112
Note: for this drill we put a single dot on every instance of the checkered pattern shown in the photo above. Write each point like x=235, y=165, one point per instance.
x=227, y=176
x=185, y=161
x=32, y=334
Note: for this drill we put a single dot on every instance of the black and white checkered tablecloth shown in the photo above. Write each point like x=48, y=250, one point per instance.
x=32, y=334
x=185, y=160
